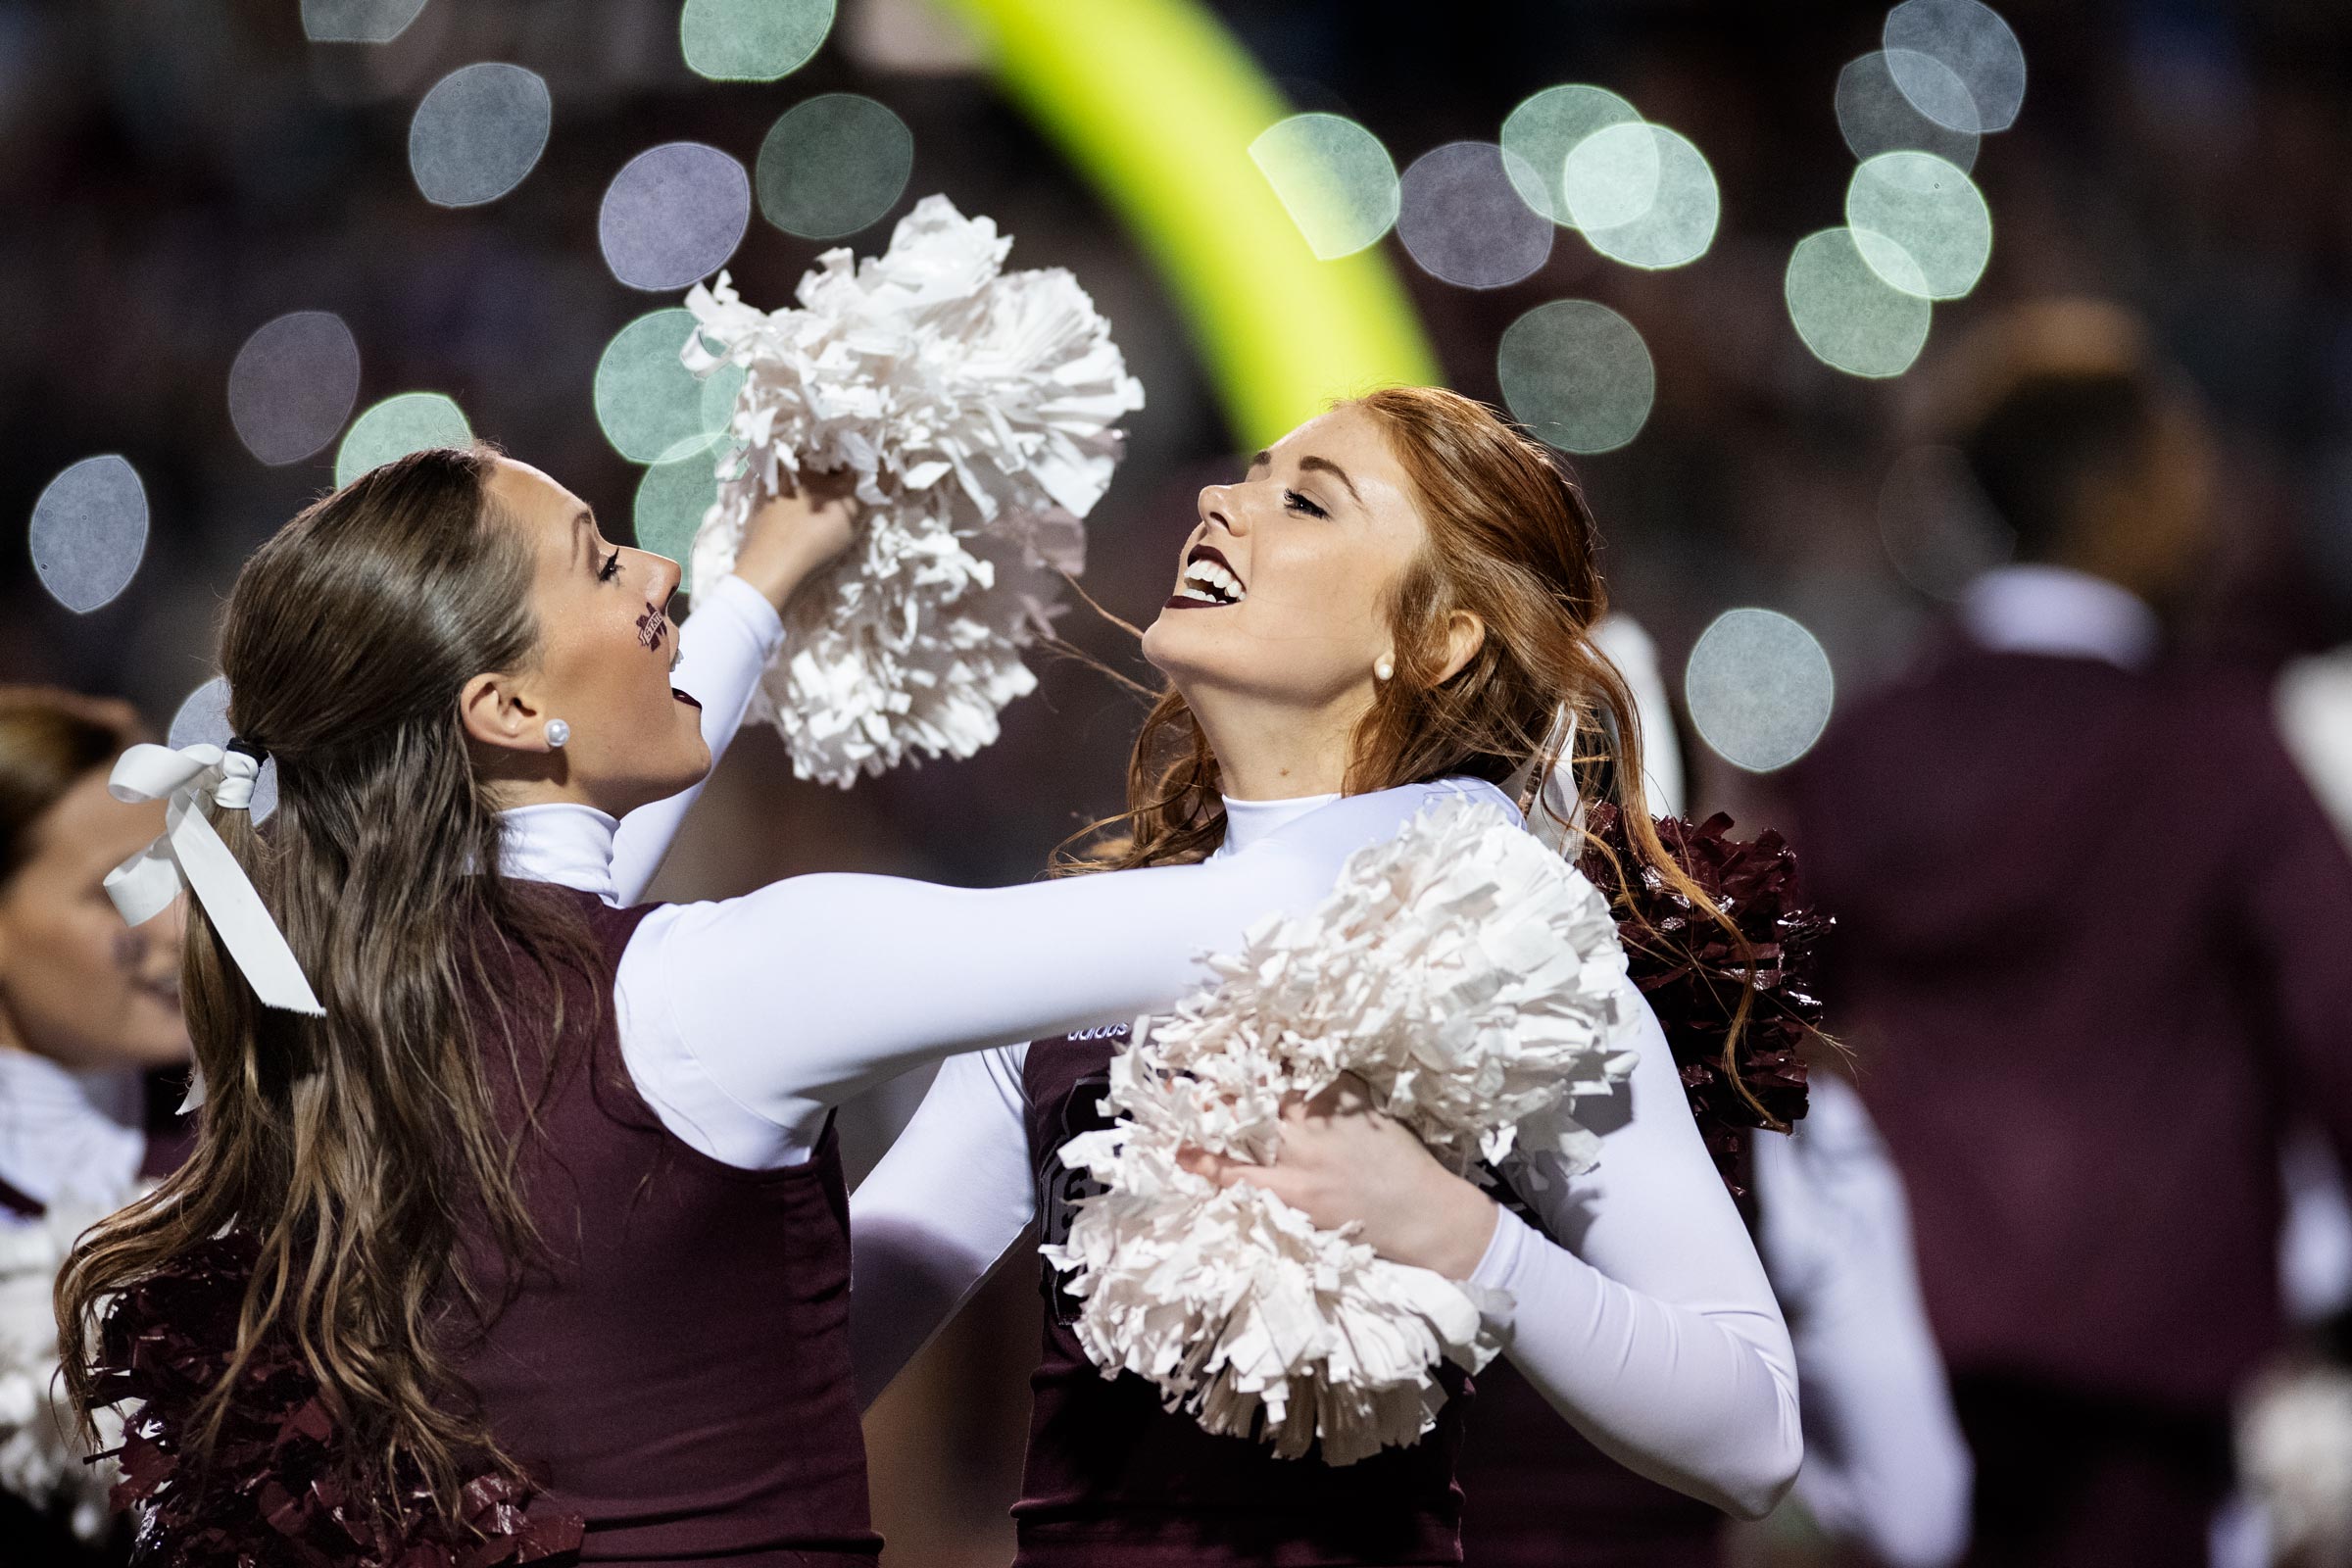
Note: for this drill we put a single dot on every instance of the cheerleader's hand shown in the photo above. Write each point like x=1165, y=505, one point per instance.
x=794, y=535
x=1343, y=1162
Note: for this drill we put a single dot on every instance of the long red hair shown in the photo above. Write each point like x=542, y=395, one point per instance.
x=1511, y=541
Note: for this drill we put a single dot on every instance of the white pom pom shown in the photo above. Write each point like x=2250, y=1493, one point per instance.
x=977, y=409
x=1474, y=980
x=42, y=1458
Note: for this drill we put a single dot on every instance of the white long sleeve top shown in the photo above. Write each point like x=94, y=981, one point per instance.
x=743, y=1021
x=68, y=1139
x=1649, y=1324
x=1885, y=1463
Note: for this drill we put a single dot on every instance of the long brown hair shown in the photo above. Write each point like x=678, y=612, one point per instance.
x=1511, y=541
x=352, y=1147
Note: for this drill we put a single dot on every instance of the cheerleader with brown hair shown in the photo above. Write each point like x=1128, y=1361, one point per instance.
x=515, y=1224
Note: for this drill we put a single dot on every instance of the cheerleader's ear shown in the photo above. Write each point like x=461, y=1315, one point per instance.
x=1465, y=634
x=498, y=712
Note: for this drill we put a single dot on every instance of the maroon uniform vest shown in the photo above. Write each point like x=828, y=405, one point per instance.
x=1114, y=1481
x=676, y=1369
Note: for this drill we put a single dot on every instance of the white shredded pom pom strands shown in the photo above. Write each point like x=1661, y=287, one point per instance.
x=42, y=1458
x=977, y=409
x=1474, y=980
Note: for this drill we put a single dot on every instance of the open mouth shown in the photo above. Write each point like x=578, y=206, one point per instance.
x=685, y=696
x=1208, y=581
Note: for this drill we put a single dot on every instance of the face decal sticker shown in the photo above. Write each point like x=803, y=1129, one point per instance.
x=653, y=626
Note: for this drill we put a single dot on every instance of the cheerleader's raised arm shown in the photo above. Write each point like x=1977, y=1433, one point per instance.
x=722, y=647
x=736, y=628
x=745, y=1020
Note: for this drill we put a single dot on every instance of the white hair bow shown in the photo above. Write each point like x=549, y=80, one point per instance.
x=190, y=855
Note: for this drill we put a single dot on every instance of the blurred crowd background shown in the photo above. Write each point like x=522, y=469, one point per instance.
x=175, y=175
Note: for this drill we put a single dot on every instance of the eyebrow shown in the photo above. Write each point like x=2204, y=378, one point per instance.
x=1311, y=464
x=1326, y=466
x=579, y=520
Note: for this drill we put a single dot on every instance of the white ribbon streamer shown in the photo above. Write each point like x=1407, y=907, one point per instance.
x=1553, y=811
x=189, y=856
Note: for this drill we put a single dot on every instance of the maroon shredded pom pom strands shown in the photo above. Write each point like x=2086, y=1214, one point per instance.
x=1691, y=973
x=280, y=1487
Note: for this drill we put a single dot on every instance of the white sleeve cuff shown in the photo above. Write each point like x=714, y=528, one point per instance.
x=1495, y=1277
x=751, y=607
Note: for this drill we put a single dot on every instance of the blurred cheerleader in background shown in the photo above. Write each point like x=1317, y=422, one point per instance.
x=90, y=1044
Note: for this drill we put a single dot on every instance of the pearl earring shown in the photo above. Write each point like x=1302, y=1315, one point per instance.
x=1383, y=668
x=557, y=732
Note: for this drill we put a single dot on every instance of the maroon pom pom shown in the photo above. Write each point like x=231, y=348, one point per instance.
x=1692, y=974
x=279, y=1486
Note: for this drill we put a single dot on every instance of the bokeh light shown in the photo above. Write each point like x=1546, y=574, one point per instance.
x=1335, y=180
x=1874, y=115
x=1463, y=220
x=1642, y=194
x=833, y=165
x=1977, y=50
x=671, y=501
x=1611, y=176
x=357, y=21
x=1849, y=316
x=477, y=133
x=1920, y=223
x=1939, y=531
x=202, y=719
x=396, y=428
x=1758, y=688
x=651, y=408
x=1546, y=129
x=89, y=530
x=752, y=40
x=293, y=384
x=674, y=214
x=1578, y=374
